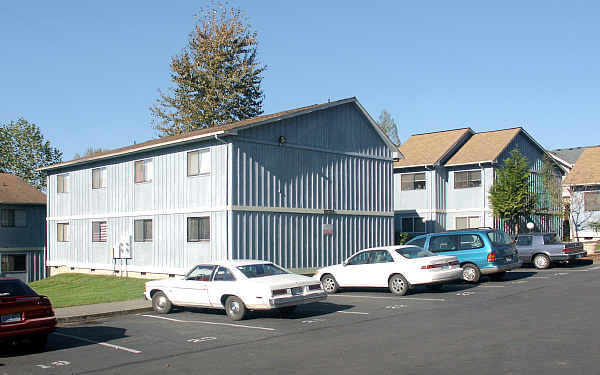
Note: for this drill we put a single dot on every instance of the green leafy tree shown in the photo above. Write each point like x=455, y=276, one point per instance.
x=389, y=127
x=23, y=149
x=551, y=201
x=216, y=78
x=510, y=195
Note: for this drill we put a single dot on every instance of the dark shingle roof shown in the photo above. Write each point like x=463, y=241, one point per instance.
x=569, y=154
x=14, y=190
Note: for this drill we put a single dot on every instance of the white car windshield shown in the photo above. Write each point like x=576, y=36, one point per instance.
x=414, y=252
x=261, y=270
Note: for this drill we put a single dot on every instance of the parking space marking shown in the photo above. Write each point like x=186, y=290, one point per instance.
x=519, y=282
x=118, y=347
x=353, y=312
x=395, y=298
x=210, y=323
x=491, y=286
x=539, y=277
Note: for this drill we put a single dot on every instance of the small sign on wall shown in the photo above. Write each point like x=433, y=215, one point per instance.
x=328, y=229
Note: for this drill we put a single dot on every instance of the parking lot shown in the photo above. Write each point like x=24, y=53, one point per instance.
x=532, y=322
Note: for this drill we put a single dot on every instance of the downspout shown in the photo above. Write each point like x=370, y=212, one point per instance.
x=484, y=194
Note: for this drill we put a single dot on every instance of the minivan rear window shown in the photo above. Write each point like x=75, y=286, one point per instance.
x=498, y=237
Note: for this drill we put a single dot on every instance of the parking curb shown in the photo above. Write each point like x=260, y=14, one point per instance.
x=95, y=316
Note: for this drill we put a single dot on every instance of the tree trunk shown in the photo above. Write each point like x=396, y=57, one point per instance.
x=516, y=226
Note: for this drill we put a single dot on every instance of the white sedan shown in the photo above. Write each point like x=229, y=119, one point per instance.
x=236, y=286
x=396, y=267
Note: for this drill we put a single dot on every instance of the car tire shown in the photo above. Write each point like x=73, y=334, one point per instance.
x=161, y=304
x=497, y=276
x=329, y=284
x=541, y=261
x=287, y=311
x=235, y=308
x=470, y=273
x=398, y=285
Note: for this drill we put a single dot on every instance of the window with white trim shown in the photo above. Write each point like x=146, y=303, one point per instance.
x=99, y=231
x=142, y=231
x=62, y=232
x=467, y=179
x=13, y=218
x=99, y=178
x=465, y=222
x=413, y=224
x=198, y=229
x=198, y=162
x=143, y=171
x=591, y=201
x=62, y=183
x=412, y=181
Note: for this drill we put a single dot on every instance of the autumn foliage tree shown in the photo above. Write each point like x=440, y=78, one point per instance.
x=216, y=78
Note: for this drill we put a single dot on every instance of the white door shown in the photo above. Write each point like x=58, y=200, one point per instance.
x=355, y=271
x=381, y=265
x=193, y=290
x=223, y=283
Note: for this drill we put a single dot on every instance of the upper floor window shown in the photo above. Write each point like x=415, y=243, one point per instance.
x=13, y=218
x=62, y=183
x=467, y=179
x=591, y=201
x=62, y=232
x=198, y=229
x=465, y=222
x=412, y=181
x=143, y=170
x=198, y=162
x=99, y=231
x=142, y=231
x=99, y=178
x=413, y=225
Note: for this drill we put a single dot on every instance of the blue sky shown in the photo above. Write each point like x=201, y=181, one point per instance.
x=87, y=72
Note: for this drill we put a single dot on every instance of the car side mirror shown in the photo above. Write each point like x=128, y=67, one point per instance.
x=345, y=263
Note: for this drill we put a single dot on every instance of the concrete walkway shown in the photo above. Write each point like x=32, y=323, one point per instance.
x=101, y=310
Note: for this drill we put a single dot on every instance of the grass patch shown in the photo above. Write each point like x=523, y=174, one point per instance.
x=75, y=289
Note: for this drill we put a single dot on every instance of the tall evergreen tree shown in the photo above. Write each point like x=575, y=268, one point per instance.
x=217, y=76
x=23, y=149
x=388, y=125
x=510, y=194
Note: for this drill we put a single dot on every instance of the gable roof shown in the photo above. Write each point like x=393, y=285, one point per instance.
x=569, y=155
x=429, y=148
x=587, y=168
x=484, y=147
x=14, y=190
x=227, y=129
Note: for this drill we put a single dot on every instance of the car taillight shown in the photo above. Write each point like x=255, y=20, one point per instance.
x=279, y=292
x=453, y=263
x=491, y=257
x=431, y=266
x=568, y=250
x=44, y=301
x=314, y=287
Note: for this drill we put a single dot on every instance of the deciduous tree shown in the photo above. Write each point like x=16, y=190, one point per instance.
x=389, y=127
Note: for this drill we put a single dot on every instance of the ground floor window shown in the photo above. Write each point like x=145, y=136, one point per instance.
x=14, y=263
x=143, y=230
x=465, y=222
x=413, y=224
x=99, y=232
x=198, y=229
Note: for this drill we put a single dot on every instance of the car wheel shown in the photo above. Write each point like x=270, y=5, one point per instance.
x=541, y=261
x=161, y=304
x=329, y=284
x=287, y=311
x=470, y=273
x=497, y=276
x=398, y=285
x=235, y=308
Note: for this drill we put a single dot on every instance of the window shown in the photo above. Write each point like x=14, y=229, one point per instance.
x=360, y=258
x=498, y=237
x=380, y=256
x=470, y=241
x=15, y=287
x=413, y=181
x=467, y=179
x=98, y=178
x=414, y=252
x=223, y=274
x=14, y=263
x=201, y=273
x=443, y=243
x=198, y=162
x=98, y=231
x=551, y=239
x=261, y=270
x=142, y=231
x=198, y=229
x=591, y=201
x=143, y=171
x=524, y=241
x=62, y=183
x=13, y=218
x=420, y=242
x=413, y=225
x=62, y=232
x=468, y=222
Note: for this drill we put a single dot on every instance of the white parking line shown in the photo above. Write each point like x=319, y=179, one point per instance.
x=353, y=312
x=539, y=277
x=491, y=286
x=211, y=323
x=100, y=343
x=395, y=298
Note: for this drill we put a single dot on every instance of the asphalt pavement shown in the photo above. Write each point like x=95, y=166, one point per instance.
x=532, y=322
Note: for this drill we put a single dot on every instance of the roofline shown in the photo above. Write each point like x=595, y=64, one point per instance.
x=583, y=184
x=544, y=151
x=414, y=166
x=561, y=160
x=454, y=144
x=443, y=131
x=470, y=163
x=386, y=139
x=438, y=161
x=203, y=136
x=26, y=203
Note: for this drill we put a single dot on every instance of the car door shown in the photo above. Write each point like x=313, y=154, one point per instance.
x=193, y=289
x=355, y=270
x=381, y=265
x=223, y=282
x=525, y=247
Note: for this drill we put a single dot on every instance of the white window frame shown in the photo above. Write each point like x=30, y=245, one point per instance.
x=202, y=154
x=66, y=235
x=144, y=238
x=99, y=227
x=468, y=217
x=148, y=171
x=424, y=173
x=66, y=185
x=188, y=231
x=466, y=171
x=103, y=178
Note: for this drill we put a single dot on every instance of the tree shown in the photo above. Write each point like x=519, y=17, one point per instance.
x=389, y=127
x=90, y=152
x=510, y=194
x=217, y=76
x=23, y=149
x=552, y=201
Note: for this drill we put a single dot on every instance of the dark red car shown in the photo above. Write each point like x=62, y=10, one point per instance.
x=24, y=314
